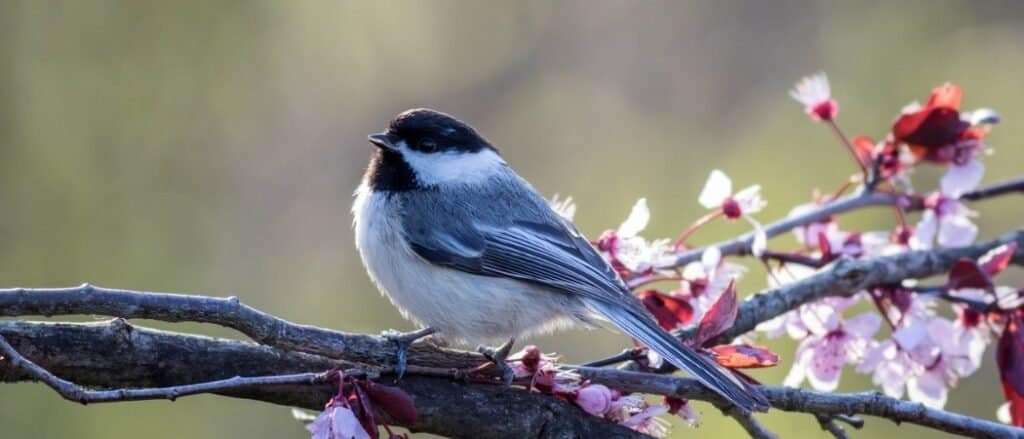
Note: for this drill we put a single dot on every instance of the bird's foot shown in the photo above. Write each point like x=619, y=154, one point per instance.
x=402, y=341
x=496, y=358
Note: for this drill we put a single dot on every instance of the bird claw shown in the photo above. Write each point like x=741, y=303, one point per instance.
x=496, y=358
x=402, y=341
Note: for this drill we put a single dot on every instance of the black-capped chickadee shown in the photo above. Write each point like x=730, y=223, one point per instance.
x=462, y=244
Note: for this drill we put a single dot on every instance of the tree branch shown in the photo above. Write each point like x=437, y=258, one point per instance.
x=116, y=355
x=846, y=277
x=741, y=244
x=812, y=402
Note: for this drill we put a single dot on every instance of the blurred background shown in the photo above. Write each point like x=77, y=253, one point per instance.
x=213, y=147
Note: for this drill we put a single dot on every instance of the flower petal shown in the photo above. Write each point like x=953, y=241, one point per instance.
x=962, y=178
x=956, y=231
x=864, y=325
x=716, y=190
x=637, y=220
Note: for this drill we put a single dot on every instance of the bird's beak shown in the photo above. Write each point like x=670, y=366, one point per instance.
x=382, y=140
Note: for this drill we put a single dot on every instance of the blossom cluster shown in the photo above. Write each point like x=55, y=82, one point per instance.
x=912, y=339
x=352, y=412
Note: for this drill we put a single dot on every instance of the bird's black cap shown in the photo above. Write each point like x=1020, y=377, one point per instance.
x=429, y=131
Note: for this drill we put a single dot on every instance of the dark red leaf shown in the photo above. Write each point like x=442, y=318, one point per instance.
x=363, y=408
x=968, y=274
x=1010, y=359
x=744, y=356
x=719, y=317
x=993, y=262
x=668, y=310
x=930, y=128
x=393, y=401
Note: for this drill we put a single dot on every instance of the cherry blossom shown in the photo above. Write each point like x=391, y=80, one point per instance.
x=626, y=250
x=595, y=399
x=683, y=409
x=717, y=194
x=337, y=421
x=816, y=95
x=830, y=343
x=945, y=221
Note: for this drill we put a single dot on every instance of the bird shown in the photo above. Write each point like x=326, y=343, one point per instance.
x=466, y=248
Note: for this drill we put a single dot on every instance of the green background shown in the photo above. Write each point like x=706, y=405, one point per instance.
x=212, y=147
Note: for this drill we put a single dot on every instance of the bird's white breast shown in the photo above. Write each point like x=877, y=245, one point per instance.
x=463, y=307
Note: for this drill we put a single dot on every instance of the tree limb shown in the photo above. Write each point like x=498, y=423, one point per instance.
x=812, y=402
x=846, y=277
x=114, y=355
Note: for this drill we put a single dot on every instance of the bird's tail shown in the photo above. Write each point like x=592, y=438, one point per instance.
x=713, y=376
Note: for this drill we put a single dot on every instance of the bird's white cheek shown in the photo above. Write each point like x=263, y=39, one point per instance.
x=452, y=167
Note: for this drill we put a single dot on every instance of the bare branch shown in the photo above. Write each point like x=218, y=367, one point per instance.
x=114, y=355
x=741, y=244
x=228, y=312
x=812, y=402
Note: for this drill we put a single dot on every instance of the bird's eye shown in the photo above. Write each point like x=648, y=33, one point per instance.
x=427, y=145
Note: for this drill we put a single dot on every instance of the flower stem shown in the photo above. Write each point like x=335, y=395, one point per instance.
x=681, y=241
x=849, y=147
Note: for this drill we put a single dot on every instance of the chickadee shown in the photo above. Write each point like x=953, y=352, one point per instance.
x=462, y=244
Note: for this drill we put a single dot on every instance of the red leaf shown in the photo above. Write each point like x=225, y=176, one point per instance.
x=1010, y=359
x=998, y=258
x=967, y=274
x=946, y=95
x=719, y=317
x=363, y=408
x=864, y=147
x=393, y=401
x=744, y=356
x=668, y=310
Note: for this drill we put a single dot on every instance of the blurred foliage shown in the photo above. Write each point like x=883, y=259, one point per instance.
x=212, y=147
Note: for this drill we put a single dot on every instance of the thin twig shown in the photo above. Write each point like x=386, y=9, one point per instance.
x=741, y=244
x=746, y=419
x=73, y=392
x=829, y=424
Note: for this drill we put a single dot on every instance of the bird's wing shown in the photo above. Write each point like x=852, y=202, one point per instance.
x=530, y=243
x=533, y=244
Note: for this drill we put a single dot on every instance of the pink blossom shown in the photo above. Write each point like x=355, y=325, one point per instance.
x=595, y=399
x=627, y=250
x=962, y=177
x=808, y=235
x=702, y=282
x=337, y=421
x=816, y=95
x=926, y=357
x=946, y=222
x=683, y=409
x=830, y=344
